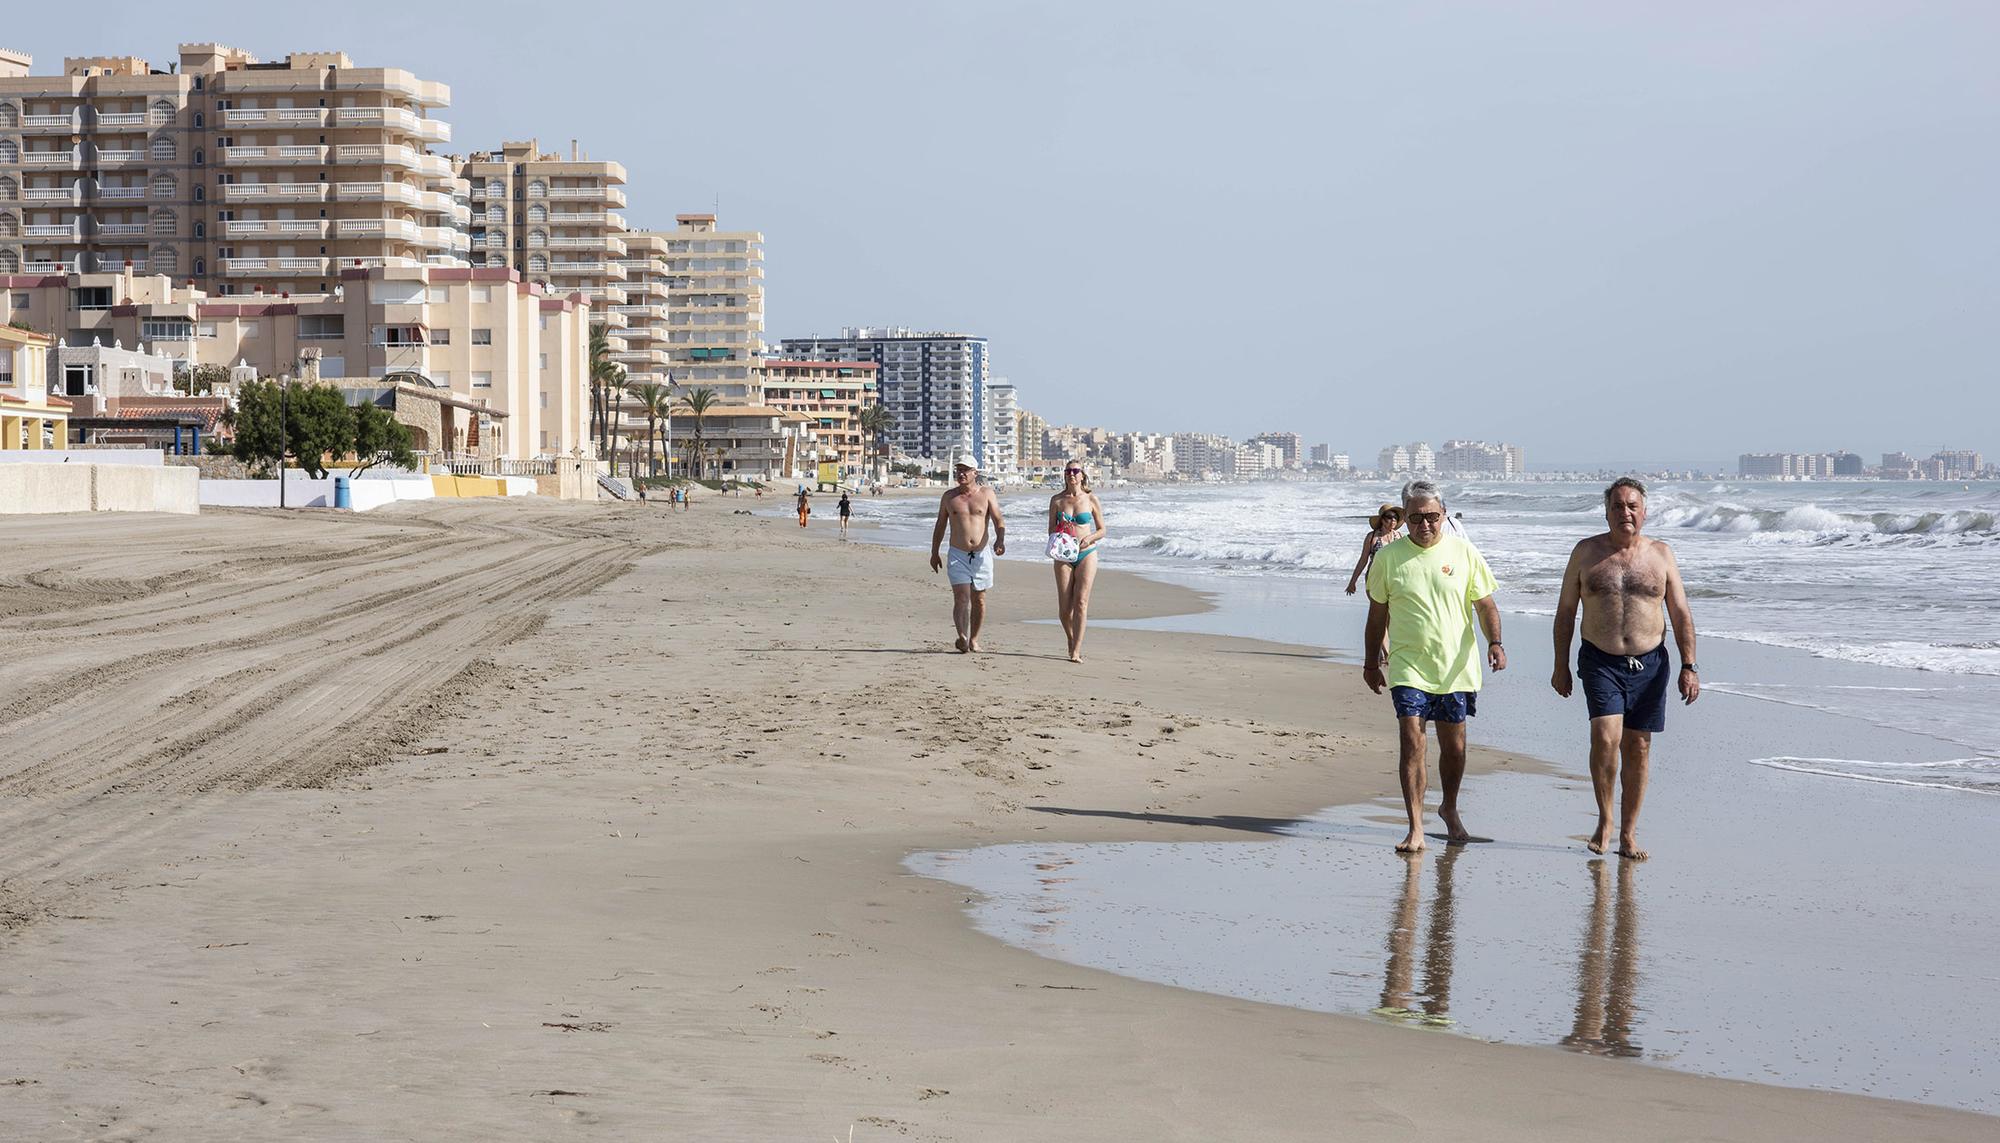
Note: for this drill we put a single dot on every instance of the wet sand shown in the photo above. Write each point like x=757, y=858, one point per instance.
x=527, y=820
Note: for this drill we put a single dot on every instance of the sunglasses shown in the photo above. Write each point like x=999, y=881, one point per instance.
x=1427, y=517
x=1072, y=472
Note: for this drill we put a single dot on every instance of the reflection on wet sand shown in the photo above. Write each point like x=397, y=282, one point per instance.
x=1607, y=971
x=1431, y=1002
x=1046, y=908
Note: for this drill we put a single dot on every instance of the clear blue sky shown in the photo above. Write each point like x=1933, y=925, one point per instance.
x=1605, y=231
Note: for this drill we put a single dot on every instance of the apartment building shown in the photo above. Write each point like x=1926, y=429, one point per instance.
x=1031, y=435
x=554, y=218
x=1291, y=447
x=1480, y=458
x=1200, y=454
x=715, y=307
x=1002, y=457
x=31, y=417
x=831, y=394
x=1415, y=457
x=932, y=384
x=751, y=442
x=483, y=334
x=236, y=175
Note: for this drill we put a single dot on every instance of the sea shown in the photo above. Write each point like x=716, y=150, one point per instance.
x=1820, y=910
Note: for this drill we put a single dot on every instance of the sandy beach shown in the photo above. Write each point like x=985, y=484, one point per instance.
x=529, y=820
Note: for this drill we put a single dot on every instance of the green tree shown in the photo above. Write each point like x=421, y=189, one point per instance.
x=698, y=402
x=320, y=425
x=260, y=436
x=379, y=436
x=874, y=423
x=654, y=401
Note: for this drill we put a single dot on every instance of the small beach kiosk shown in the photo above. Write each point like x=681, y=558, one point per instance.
x=31, y=419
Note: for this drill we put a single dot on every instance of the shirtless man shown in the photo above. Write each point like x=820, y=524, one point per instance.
x=968, y=508
x=1629, y=587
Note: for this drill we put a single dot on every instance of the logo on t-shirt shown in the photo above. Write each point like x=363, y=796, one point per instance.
x=1447, y=569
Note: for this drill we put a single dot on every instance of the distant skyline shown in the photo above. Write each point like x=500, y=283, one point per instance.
x=1698, y=229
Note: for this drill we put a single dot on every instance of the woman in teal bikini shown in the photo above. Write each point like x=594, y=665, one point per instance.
x=1076, y=508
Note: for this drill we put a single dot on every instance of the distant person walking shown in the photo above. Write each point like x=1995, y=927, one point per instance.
x=846, y=510
x=1629, y=586
x=978, y=534
x=1424, y=593
x=805, y=506
x=1383, y=529
x=1076, y=515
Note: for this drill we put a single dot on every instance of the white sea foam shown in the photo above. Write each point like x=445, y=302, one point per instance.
x=1973, y=775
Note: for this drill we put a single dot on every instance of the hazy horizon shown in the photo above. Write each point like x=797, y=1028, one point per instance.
x=1704, y=229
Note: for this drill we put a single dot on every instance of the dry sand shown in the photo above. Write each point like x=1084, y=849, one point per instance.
x=528, y=820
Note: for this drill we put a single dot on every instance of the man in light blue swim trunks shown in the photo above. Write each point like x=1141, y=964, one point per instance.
x=971, y=512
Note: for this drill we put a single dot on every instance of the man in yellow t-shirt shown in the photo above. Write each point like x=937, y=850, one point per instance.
x=1424, y=591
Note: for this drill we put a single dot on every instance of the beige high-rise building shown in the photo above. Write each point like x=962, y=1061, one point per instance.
x=715, y=303
x=498, y=343
x=233, y=174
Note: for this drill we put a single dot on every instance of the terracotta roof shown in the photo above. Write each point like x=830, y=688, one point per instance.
x=210, y=413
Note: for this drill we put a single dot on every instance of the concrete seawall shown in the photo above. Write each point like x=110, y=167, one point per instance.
x=88, y=487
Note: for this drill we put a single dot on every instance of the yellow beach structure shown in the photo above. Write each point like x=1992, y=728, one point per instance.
x=30, y=418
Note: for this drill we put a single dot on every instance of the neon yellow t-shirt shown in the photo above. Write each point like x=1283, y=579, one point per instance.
x=1433, y=632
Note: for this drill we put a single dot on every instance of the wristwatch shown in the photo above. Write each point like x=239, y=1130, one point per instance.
x=1689, y=667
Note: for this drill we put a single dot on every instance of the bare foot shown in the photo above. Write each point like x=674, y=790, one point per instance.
x=1601, y=840
x=1454, y=829
x=1411, y=843
x=972, y=644
x=1628, y=848
x=1075, y=658
x=960, y=644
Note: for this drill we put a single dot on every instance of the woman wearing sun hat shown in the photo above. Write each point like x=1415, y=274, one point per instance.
x=1383, y=528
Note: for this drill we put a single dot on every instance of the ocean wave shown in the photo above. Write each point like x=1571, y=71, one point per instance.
x=1820, y=524
x=1942, y=656
x=1969, y=775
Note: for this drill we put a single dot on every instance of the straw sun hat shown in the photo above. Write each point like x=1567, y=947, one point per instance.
x=1375, y=521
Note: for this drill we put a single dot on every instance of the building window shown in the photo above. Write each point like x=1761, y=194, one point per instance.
x=166, y=329
x=545, y=361
x=442, y=377
x=440, y=337
x=482, y=380
x=437, y=294
x=482, y=337
x=545, y=404
x=538, y=189
x=482, y=293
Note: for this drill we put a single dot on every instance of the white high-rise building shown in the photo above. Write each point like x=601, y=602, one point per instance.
x=933, y=384
x=1002, y=459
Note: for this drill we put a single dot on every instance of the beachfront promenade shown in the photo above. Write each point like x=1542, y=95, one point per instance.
x=523, y=819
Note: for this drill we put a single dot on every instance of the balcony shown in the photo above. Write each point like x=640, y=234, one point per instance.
x=47, y=159
x=612, y=195
x=66, y=194
x=122, y=121
x=282, y=116
x=273, y=156
x=443, y=238
x=121, y=229
x=436, y=166
x=392, y=263
x=377, y=192
x=593, y=269
x=45, y=124
x=642, y=357
x=276, y=228
x=269, y=267
x=274, y=192
x=47, y=267
x=361, y=155
x=597, y=295
x=573, y=242
x=66, y=230
x=119, y=194
x=446, y=261
x=397, y=119
x=120, y=158
x=650, y=311
x=359, y=228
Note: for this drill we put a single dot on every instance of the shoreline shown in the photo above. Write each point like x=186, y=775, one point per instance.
x=641, y=874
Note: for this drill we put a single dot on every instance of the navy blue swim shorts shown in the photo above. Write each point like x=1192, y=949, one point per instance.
x=1454, y=707
x=1632, y=685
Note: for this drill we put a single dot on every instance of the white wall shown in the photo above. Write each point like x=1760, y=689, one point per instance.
x=82, y=487
x=147, y=456
x=301, y=491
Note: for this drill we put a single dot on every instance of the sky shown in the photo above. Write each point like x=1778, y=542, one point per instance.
x=1609, y=232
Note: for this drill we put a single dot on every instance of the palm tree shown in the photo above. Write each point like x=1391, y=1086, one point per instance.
x=601, y=369
x=874, y=423
x=698, y=402
x=655, y=401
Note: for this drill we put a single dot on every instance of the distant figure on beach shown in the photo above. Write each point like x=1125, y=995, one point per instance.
x=972, y=513
x=805, y=506
x=1424, y=592
x=1383, y=528
x=846, y=509
x=1075, y=511
x=1629, y=586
